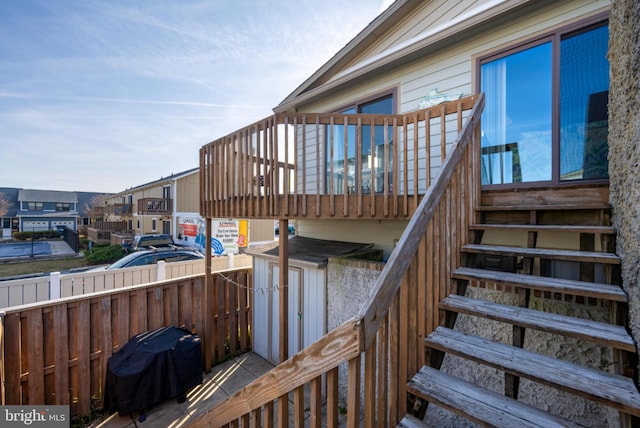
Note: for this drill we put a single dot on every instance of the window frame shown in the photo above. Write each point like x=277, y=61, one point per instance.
x=555, y=36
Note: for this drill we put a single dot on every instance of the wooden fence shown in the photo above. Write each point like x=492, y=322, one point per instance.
x=383, y=345
x=56, y=352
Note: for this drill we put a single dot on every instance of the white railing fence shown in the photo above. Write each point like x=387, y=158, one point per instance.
x=55, y=285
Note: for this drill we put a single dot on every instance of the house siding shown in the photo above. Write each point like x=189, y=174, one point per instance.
x=384, y=234
x=450, y=69
x=187, y=193
x=428, y=15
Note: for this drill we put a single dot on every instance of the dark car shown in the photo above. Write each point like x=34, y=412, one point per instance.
x=153, y=256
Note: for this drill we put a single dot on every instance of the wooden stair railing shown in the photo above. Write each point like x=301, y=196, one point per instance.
x=388, y=331
x=477, y=402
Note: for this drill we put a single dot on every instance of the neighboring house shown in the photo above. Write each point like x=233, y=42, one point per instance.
x=154, y=207
x=31, y=209
x=170, y=205
x=524, y=228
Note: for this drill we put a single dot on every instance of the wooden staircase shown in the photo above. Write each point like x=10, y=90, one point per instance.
x=531, y=274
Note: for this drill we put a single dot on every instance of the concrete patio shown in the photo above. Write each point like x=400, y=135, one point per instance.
x=224, y=380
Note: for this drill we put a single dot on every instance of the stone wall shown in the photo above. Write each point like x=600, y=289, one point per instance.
x=624, y=146
x=349, y=283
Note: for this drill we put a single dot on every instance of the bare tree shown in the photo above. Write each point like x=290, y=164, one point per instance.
x=95, y=207
x=4, y=204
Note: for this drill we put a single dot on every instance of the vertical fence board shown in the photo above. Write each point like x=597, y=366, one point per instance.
x=35, y=357
x=220, y=290
x=12, y=369
x=232, y=302
x=61, y=358
x=369, y=399
x=83, y=355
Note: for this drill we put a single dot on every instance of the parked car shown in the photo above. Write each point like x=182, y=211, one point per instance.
x=141, y=242
x=153, y=256
x=292, y=229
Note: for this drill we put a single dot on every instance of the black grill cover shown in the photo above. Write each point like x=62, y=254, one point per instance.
x=152, y=367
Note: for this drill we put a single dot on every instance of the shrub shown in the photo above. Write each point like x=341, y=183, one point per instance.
x=104, y=254
x=37, y=234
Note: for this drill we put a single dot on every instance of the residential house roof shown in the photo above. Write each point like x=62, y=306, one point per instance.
x=160, y=180
x=32, y=195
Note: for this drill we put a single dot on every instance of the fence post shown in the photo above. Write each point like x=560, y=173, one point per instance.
x=230, y=261
x=54, y=286
x=161, y=270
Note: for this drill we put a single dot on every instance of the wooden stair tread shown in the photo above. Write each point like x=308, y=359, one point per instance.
x=608, y=230
x=543, y=207
x=612, y=390
x=410, y=421
x=545, y=253
x=478, y=404
x=556, y=285
x=592, y=331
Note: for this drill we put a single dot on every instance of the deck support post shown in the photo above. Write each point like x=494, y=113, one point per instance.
x=207, y=306
x=283, y=288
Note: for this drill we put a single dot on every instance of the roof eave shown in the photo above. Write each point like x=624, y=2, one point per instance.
x=396, y=54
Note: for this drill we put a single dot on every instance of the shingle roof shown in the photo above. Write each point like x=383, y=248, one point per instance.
x=32, y=195
x=317, y=251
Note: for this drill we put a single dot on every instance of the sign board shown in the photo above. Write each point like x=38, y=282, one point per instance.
x=227, y=237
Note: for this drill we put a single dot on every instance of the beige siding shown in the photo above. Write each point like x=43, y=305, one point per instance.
x=428, y=15
x=187, y=193
x=450, y=68
x=261, y=230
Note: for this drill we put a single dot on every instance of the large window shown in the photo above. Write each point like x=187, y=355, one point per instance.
x=343, y=165
x=545, y=118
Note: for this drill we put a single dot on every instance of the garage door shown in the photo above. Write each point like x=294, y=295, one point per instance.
x=32, y=226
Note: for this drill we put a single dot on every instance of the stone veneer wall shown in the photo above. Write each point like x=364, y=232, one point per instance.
x=349, y=283
x=624, y=146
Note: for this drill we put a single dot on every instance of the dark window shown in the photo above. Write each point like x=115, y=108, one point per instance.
x=343, y=165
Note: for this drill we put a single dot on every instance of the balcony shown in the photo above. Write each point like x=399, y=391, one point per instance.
x=161, y=206
x=320, y=165
x=122, y=210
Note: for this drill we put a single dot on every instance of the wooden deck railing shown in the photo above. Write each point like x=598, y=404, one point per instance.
x=322, y=165
x=56, y=352
x=386, y=336
x=148, y=206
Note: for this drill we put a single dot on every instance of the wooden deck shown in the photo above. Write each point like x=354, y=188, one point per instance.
x=224, y=380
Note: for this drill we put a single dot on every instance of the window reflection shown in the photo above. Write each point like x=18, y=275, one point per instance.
x=584, y=84
x=342, y=161
x=516, y=122
x=520, y=116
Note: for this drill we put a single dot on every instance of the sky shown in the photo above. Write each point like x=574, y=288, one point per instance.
x=105, y=95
